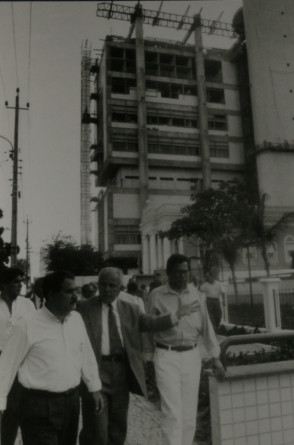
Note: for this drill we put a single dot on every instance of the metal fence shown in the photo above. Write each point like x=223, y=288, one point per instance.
x=245, y=310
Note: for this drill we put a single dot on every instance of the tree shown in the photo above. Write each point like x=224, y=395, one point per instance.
x=217, y=218
x=5, y=248
x=259, y=230
x=64, y=253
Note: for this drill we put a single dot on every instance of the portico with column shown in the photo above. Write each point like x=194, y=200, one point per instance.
x=155, y=248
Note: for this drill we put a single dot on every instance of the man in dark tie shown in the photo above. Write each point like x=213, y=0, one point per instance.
x=114, y=327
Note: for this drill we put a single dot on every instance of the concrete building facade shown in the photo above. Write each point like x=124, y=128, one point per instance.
x=174, y=118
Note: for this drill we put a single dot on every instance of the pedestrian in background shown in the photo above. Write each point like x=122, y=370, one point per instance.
x=214, y=293
x=13, y=307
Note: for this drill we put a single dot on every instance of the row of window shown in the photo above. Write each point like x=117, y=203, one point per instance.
x=164, y=65
x=218, y=149
x=167, y=90
x=215, y=121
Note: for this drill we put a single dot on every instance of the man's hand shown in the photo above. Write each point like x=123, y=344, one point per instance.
x=98, y=401
x=218, y=368
x=187, y=309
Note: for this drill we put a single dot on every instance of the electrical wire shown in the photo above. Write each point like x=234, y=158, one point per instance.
x=14, y=43
x=30, y=44
x=5, y=96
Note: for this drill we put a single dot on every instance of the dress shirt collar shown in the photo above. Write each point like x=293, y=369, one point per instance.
x=50, y=316
x=113, y=304
x=168, y=290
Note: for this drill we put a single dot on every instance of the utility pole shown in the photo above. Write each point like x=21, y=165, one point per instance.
x=14, y=194
x=28, y=263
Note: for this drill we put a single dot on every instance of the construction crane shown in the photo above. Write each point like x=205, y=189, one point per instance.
x=158, y=18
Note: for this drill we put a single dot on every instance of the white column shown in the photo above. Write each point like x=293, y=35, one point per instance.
x=181, y=245
x=160, y=264
x=145, y=254
x=166, y=250
x=153, y=256
x=271, y=302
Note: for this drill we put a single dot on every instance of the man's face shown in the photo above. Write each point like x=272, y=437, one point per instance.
x=65, y=299
x=13, y=289
x=178, y=276
x=109, y=287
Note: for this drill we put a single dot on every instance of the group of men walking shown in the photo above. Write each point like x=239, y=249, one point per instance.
x=48, y=352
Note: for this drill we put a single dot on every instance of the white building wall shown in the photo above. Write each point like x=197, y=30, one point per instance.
x=126, y=205
x=270, y=47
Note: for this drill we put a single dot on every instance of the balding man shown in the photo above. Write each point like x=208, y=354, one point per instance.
x=113, y=327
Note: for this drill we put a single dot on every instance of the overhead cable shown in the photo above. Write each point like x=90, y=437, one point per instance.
x=14, y=42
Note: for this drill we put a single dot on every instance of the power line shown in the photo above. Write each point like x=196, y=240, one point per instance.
x=30, y=42
x=14, y=43
x=5, y=97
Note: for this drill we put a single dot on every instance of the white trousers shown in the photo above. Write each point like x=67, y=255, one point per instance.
x=178, y=377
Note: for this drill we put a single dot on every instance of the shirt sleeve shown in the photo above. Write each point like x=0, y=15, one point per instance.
x=13, y=353
x=209, y=338
x=90, y=372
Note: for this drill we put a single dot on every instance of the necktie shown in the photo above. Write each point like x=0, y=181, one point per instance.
x=115, y=342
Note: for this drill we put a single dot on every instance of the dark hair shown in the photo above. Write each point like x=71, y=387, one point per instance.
x=9, y=274
x=54, y=280
x=132, y=287
x=174, y=260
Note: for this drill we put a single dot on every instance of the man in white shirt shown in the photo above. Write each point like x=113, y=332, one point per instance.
x=51, y=352
x=13, y=307
x=177, y=357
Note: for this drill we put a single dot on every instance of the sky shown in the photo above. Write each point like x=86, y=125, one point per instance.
x=40, y=53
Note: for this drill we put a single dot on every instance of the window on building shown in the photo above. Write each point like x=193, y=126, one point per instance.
x=219, y=148
x=215, y=95
x=173, y=148
x=213, y=70
x=178, y=122
x=126, y=234
x=289, y=248
x=217, y=121
x=122, y=86
x=272, y=253
x=124, y=145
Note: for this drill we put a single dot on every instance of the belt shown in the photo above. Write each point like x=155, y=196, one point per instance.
x=179, y=348
x=43, y=393
x=114, y=358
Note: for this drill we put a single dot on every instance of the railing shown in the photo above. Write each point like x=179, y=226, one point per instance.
x=251, y=338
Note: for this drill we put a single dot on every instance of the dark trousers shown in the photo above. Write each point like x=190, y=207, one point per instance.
x=214, y=311
x=49, y=419
x=10, y=418
x=109, y=427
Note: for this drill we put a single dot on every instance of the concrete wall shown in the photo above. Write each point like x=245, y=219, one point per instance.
x=254, y=405
x=270, y=45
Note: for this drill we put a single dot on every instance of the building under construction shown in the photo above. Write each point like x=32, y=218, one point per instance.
x=173, y=118
x=85, y=145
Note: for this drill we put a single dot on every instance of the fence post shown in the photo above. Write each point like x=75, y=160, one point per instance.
x=224, y=302
x=271, y=301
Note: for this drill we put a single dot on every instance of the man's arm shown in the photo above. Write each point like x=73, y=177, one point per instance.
x=210, y=342
x=156, y=323
x=13, y=353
